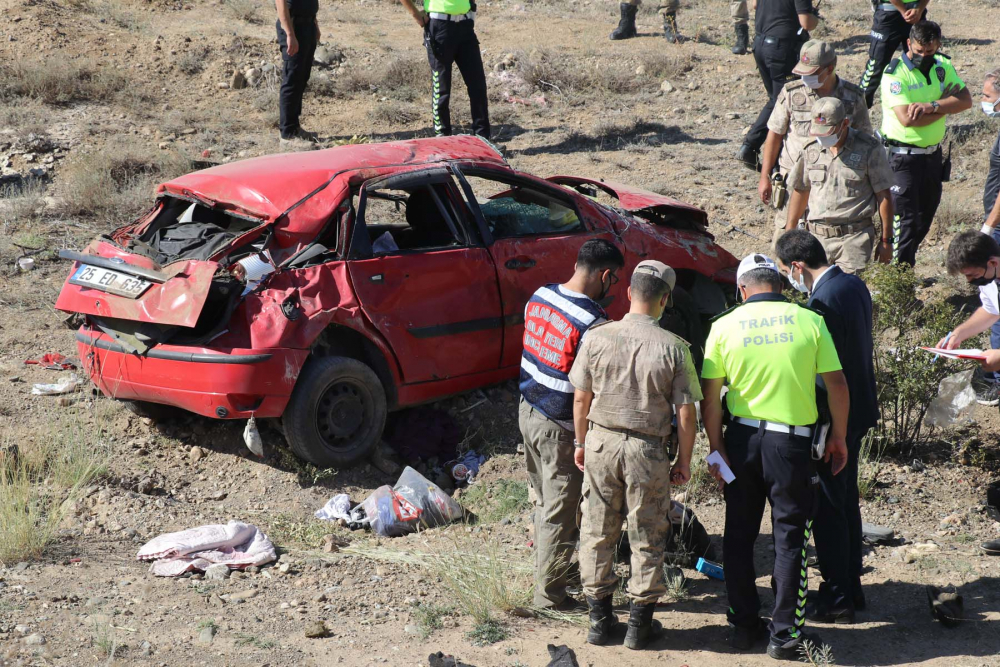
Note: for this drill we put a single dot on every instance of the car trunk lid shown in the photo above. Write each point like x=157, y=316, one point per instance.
x=658, y=209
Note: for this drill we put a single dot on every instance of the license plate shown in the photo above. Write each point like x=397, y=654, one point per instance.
x=109, y=281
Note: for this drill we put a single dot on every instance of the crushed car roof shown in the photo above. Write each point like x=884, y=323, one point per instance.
x=269, y=185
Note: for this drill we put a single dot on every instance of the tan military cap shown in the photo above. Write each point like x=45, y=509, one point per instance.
x=814, y=56
x=827, y=115
x=651, y=267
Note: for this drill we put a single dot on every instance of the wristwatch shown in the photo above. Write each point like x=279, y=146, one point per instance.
x=577, y=444
x=936, y=105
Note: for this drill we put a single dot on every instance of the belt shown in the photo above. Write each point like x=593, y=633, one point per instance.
x=779, y=40
x=470, y=16
x=836, y=231
x=889, y=7
x=629, y=433
x=913, y=150
x=777, y=427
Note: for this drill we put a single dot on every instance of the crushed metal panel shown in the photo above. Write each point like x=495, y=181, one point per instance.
x=634, y=199
x=177, y=302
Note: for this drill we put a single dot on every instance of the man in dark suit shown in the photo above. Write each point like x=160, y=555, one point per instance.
x=846, y=305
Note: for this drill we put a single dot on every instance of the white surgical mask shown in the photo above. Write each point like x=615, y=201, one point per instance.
x=811, y=81
x=990, y=109
x=829, y=140
x=799, y=284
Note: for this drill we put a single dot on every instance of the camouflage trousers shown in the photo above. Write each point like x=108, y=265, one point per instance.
x=626, y=477
x=738, y=10
x=557, y=482
x=665, y=6
x=851, y=252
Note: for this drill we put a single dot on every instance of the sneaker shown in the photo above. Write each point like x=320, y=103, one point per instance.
x=743, y=638
x=790, y=649
x=987, y=391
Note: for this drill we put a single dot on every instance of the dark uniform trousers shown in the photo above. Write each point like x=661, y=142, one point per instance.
x=916, y=194
x=775, y=59
x=889, y=32
x=838, y=513
x=775, y=467
x=455, y=42
x=295, y=72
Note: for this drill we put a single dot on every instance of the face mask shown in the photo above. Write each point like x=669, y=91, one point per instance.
x=923, y=63
x=799, y=285
x=983, y=281
x=990, y=109
x=811, y=81
x=829, y=140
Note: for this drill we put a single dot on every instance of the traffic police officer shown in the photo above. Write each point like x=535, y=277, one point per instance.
x=788, y=127
x=770, y=351
x=628, y=376
x=919, y=90
x=450, y=38
x=781, y=27
x=843, y=177
x=891, y=25
x=626, y=24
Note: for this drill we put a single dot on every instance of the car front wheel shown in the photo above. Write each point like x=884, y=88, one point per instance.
x=336, y=413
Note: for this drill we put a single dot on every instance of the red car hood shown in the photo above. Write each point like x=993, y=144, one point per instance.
x=634, y=199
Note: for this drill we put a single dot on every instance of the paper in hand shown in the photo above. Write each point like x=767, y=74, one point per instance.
x=977, y=355
x=715, y=458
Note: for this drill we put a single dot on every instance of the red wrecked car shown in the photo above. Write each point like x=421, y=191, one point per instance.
x=330, y=287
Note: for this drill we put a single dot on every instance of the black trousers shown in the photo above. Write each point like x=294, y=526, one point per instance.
x=889, y=32
x=295, y=73
x=778, y=468
x=837, y=528
x=916, y=194
x=455, y=42
x=775, y=59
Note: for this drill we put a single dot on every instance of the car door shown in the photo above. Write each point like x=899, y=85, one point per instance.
x=424, y=278
x=534, y=231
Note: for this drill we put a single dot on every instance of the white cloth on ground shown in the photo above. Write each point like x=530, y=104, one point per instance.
x=236, y=544
x=338, y=507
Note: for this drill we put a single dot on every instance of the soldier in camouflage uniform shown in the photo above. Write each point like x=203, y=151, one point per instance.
x=626, y=24
x=628, y=376
x=844, y=177
x=788, y=126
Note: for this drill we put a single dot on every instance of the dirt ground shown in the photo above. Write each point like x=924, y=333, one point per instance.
x=591, y=107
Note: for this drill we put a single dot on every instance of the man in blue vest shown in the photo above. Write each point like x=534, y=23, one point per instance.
x=555, y=321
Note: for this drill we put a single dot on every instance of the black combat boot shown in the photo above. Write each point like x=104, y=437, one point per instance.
x=670, y=31
x=742, y=39
x=602, y=621
x=626, y=24
x=641, y=626
x=749, y=157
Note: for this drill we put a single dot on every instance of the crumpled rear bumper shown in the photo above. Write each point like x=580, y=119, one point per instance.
x=222, y=383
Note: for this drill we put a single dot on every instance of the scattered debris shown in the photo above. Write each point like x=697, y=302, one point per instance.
x=467, y=467
x=412, y=504
x=236, y=545
x=66, y=385
x=954, y=403
x=26, y=264
x=52, y=361
x=945, y=607
x=251, y=436
x=561, y=656
x=338, y=507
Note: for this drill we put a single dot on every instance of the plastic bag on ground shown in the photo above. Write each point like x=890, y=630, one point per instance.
x=66, y=385
x=338, y=507
x=955, y=401
x=414, y=503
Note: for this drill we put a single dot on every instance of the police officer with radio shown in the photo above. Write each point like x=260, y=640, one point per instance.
x=891, y=25
x=781, y=27
x=770, y=352
x=450, y=38
x=919, y=90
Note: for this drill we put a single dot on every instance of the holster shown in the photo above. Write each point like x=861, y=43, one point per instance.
x=672, y=444
x=946, y=165
x=779, y=191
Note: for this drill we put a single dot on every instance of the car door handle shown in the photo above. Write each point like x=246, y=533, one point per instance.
x=520, y=263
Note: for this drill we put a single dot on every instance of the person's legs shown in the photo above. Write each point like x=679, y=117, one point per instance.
x=557, y=482
x=906, y=206
x=603, y=512
x=852, y=511
x=745, y=498
x=856, y=251
x=774, y=63
x=294, y=76
x=439, y=38
x=830, y=529
x=889, y=30
x=741, y=17
x=470, y=64
x=647, y=499
x=930, y=192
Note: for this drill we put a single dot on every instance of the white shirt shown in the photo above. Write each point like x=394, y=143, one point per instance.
x=989, y=298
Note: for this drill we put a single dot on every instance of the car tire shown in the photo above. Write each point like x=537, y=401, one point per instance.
x=155, y=411
x=337, y=412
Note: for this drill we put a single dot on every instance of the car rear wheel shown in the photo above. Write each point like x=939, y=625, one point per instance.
x=336, y=413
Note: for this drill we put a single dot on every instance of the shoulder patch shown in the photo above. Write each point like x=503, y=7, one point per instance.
x=725, y=312
x=792, y=85
x=895, y=87
x=891, y=67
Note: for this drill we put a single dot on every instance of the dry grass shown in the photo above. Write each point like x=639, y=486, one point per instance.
x=24, y=115
x=41, y=479
x=244, y=10
x=116, y=182
x=19, y=205
x=59, y=82
x=119, y=14
x=394, y=113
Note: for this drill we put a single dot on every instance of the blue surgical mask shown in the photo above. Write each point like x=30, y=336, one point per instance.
x=811, y=81
x=799, y=284
x=990, y=109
